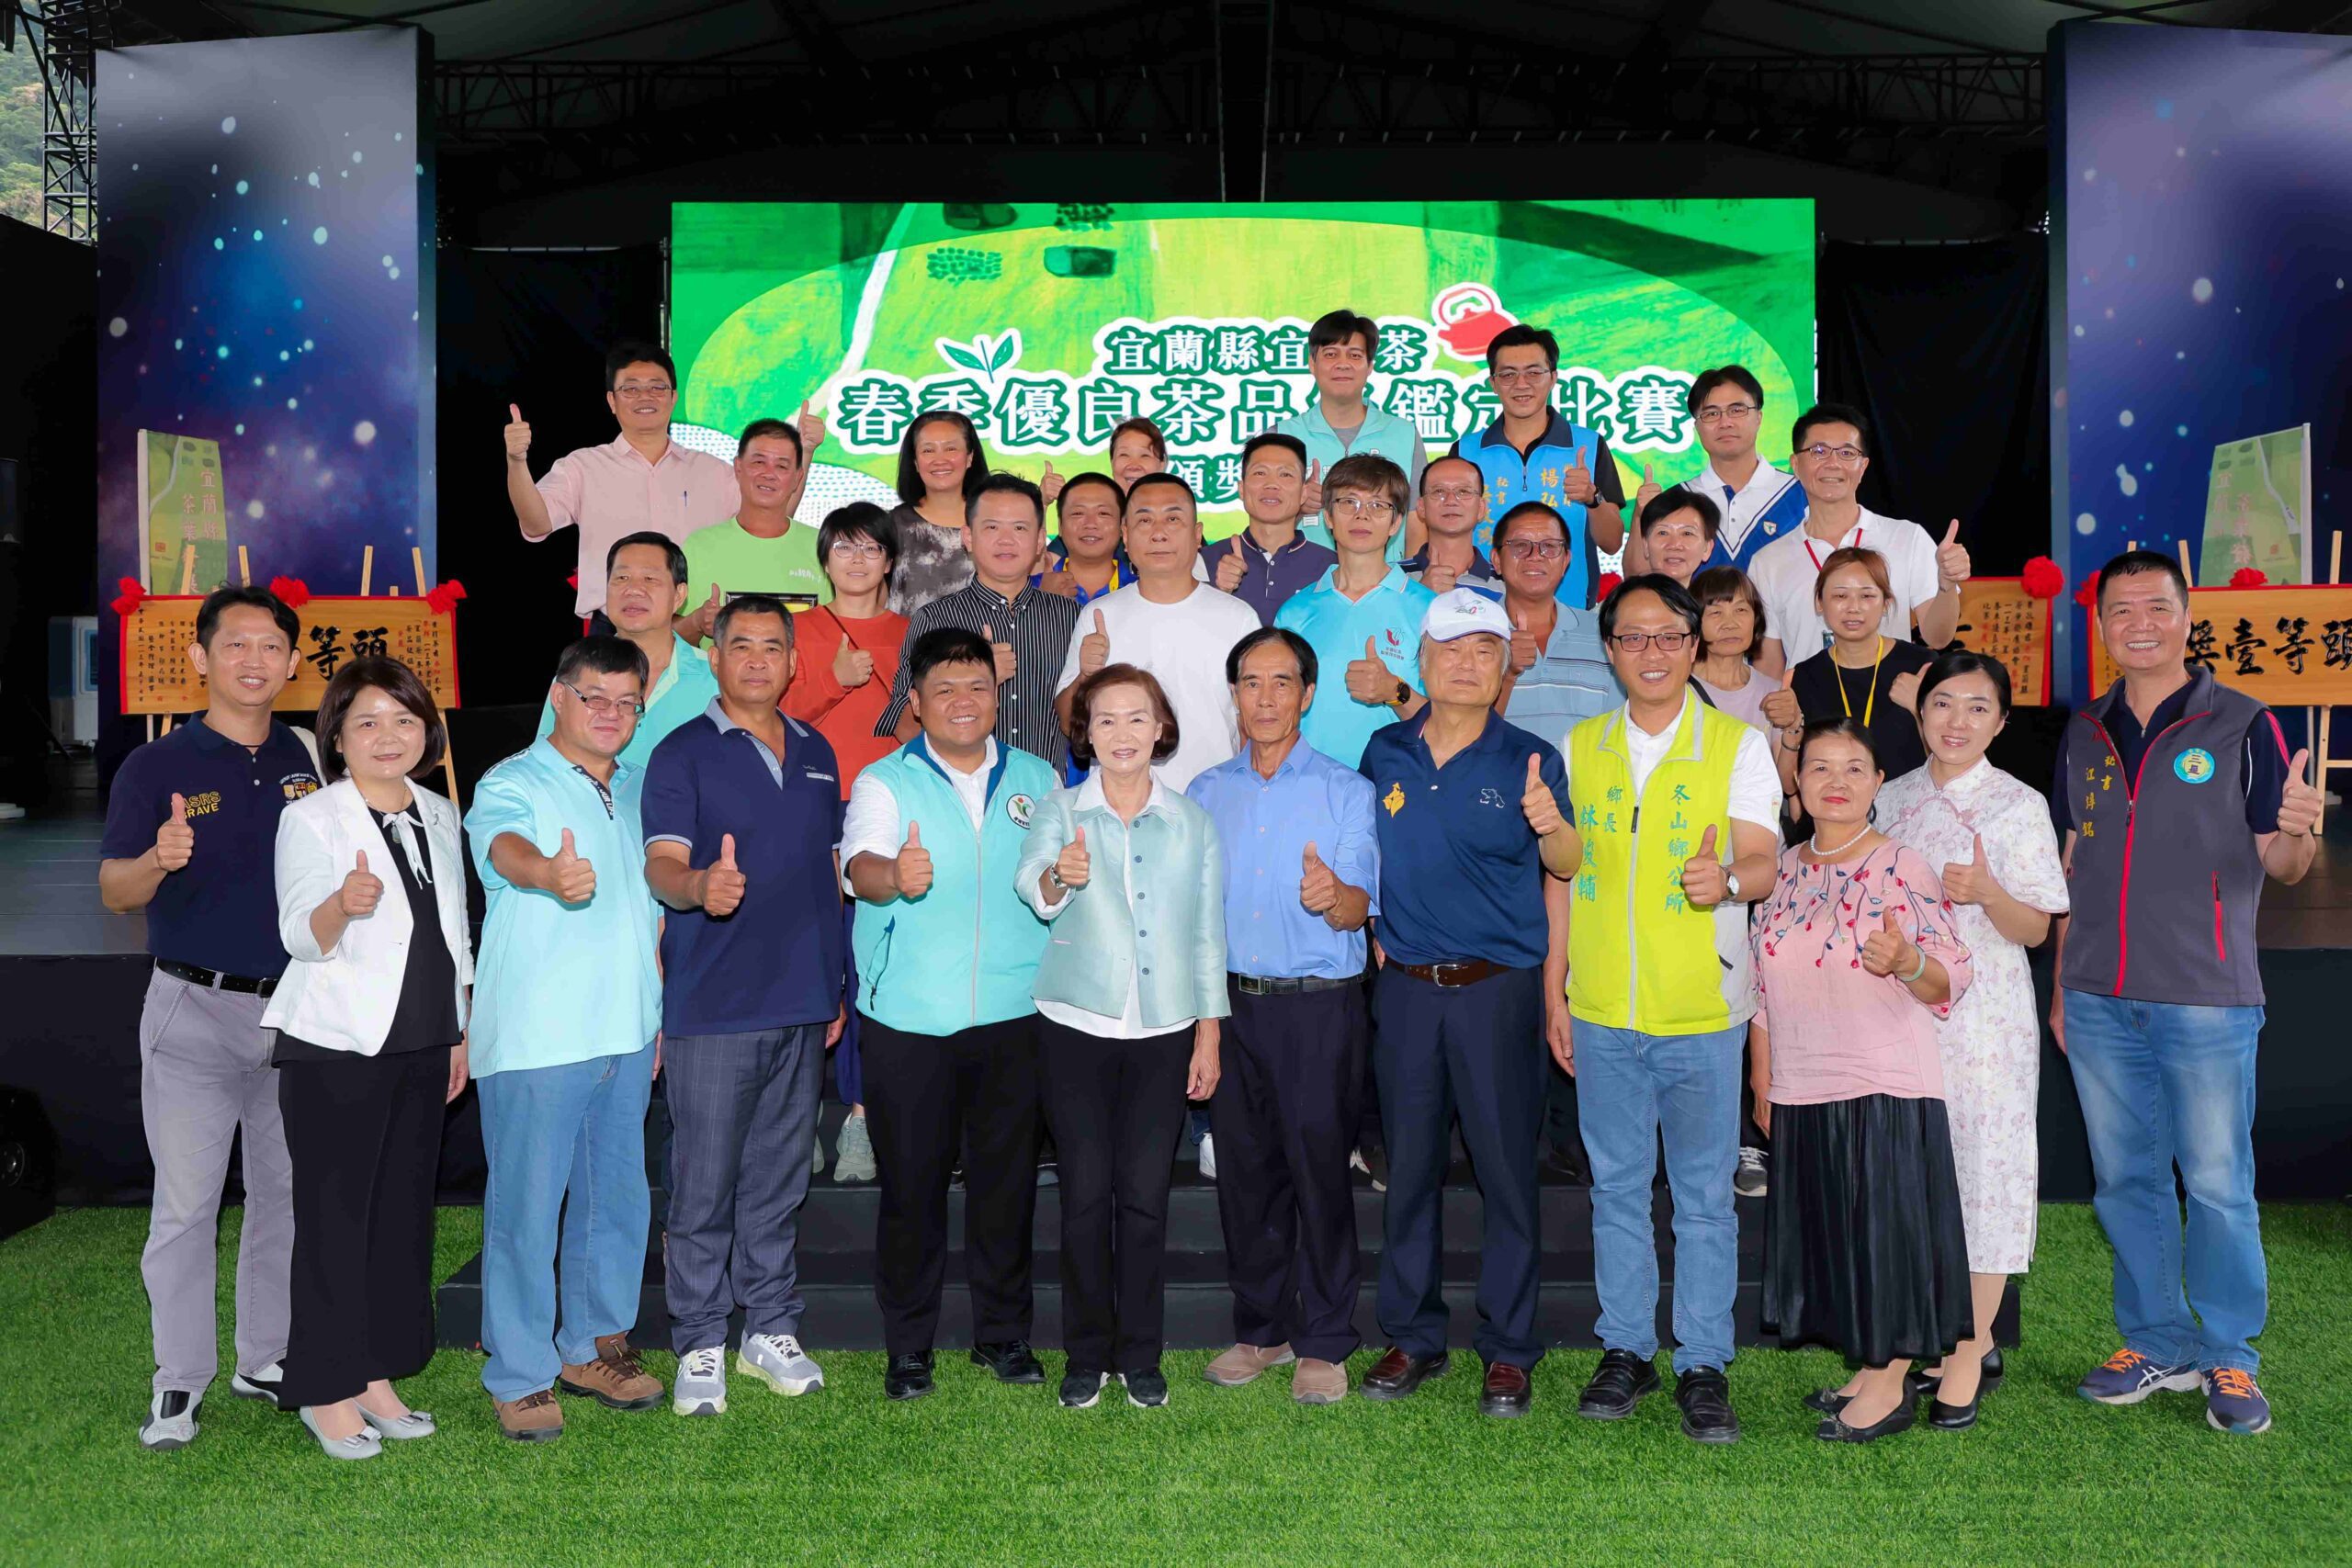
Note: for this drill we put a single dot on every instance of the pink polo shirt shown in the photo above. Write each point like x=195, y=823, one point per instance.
x=610, y=493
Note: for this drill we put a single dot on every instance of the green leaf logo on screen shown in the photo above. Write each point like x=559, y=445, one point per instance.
x=986, y=355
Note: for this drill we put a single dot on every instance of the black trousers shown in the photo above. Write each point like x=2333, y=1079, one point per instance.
x=1117, y=1108
x=364, y=1136
x=1285, y=1115
x=927, y=1098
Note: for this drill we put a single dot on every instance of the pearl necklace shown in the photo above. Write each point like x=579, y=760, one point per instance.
x=1849, y=844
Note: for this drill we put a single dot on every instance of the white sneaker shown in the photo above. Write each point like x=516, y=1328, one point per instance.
x=701, y=1388
x=261, y=1384
x=1208, y=1157
x=777, y=1360
x=171, y=1420
x=854, y=1154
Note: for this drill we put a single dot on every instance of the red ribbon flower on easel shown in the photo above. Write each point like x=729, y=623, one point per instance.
x=2087, y=594
x=126, y=601
x=445, y=598
x=2247, y=577
x=292, y=591
x=2042, y=578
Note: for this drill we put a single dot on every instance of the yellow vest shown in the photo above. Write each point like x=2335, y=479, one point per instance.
x=1640, y=957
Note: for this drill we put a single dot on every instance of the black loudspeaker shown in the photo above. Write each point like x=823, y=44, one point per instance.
x=27, y=1163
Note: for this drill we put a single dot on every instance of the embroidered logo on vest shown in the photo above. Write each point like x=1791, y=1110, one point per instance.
x=1018, y=808
x=2194, y=766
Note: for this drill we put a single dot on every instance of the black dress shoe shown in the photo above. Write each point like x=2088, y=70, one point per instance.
x=1827, y=1401
x=1506, y=1391
x=1399, y=1372
x=1988, y=1377
x=908, y=1376
x=1953, y=1418
x=1834, y=1429
x=1010, y=1360
x=1705, y=1395
x=1618, y=1386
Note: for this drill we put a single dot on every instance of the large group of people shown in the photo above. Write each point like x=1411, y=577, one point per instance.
x=1366, y=828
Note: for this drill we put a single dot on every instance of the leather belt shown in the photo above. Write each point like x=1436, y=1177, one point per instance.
x=1451, y=975
x=1278, y=986
x=212, y=979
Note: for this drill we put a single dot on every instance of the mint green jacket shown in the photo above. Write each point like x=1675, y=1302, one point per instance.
x=1169, y=869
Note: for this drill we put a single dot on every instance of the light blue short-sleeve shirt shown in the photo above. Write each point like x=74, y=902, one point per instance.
x=558, y=983
x=1337, y=627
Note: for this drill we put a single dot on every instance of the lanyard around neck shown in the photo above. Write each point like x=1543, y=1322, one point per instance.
x=1869, y=704
x=1816, y=555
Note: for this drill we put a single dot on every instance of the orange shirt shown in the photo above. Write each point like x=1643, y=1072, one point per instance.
x=845, y=718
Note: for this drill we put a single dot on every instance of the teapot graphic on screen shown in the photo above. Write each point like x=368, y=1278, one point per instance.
x=1467, y=316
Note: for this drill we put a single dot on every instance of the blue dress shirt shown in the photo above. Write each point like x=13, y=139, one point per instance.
x=1265, y=826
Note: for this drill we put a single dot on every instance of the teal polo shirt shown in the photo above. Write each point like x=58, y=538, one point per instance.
x=558, y=983
x=1336, y=627
x=682, y=692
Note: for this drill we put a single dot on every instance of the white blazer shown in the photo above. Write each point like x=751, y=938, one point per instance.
x=343, y=999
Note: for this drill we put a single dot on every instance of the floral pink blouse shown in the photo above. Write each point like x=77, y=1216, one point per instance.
x=1838, y=1030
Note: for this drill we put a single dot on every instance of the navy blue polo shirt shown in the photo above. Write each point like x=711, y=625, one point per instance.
x=1460, y=878
x=777, y=961
x=220, y=911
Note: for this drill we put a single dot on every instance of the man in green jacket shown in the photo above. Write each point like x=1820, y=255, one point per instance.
x=946, y=951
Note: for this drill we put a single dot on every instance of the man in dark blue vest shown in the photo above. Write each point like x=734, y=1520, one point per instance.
x=2178, y=798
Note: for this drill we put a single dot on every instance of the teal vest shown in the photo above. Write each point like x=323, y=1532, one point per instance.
x=965, y=953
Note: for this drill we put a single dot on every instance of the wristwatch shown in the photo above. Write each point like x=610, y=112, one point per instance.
x=1731, y=886
x=1053, y=876
x=1403, y=694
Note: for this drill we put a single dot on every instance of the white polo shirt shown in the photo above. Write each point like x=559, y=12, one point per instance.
x=1785, y=570
x=1768, y=490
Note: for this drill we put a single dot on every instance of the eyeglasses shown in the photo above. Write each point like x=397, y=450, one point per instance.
x=1464, y=496
x=1359, y=506
x=602, y=704
x=1668, y=642
x=643, y=388
x=1534, y=549
x=1715, y=414
x=857, y=549
x=1845, y=456
x=1512, y=378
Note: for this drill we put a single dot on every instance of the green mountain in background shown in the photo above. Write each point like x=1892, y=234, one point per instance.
x=20, y=113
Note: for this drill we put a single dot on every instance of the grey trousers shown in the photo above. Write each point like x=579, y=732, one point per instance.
x=204, y=1072
x=742, y=1113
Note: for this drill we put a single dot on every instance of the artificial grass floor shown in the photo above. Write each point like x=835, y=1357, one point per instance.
x=981, y=1473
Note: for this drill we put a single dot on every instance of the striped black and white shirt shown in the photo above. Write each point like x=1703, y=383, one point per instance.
x=1038, y=625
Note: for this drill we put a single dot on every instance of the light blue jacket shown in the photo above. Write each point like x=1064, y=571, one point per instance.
x=1152, y=911
x=965, y=953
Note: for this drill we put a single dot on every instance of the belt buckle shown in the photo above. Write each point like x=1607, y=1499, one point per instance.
x=1449, y=975
x=1251, y=986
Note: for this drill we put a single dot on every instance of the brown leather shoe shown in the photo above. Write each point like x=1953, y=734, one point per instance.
x=534, y=1419
x=1244, y=1363
x=1319, y=1383
x=1399, y=1373
x=616, y=1378
x=1507, y=1390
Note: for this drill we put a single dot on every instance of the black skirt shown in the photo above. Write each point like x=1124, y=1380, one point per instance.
x=1864, y=1247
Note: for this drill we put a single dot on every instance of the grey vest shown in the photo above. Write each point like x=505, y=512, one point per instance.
x=2165, y=877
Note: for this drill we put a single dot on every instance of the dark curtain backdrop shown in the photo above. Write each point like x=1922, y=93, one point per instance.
x=48, y=412
x=528, y=328
x=1944, y=347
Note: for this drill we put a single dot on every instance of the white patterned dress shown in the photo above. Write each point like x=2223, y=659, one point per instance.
x=1992, y=1041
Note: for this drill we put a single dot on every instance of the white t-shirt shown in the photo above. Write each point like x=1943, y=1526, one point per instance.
x=871, y=824
x=1785, y=570
x=1755, y=799
x=1183, y=647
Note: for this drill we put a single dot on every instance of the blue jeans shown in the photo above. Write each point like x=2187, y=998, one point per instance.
x=2166, y=1083
x=576, y=1129
x=743, y=1114
x=1632, y=1087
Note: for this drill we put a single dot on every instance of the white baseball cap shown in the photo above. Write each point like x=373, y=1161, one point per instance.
x=1461, y=612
